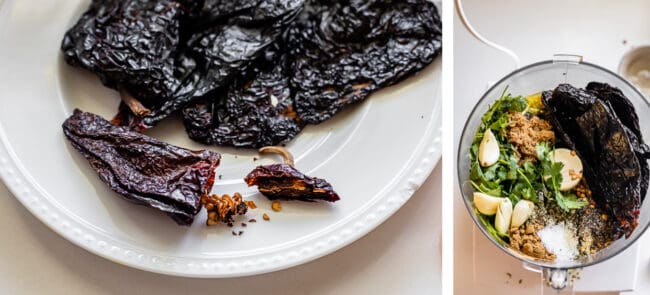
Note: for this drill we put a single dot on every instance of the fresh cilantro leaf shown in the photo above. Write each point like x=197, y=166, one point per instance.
x=569, y=201
x=500, y=124
x=513, y=166
x=552, y=176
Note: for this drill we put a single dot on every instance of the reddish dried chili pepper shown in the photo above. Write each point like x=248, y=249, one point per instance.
x=142, y=169
x=283, y=181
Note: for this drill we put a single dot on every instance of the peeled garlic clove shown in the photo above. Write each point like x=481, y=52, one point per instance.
x=488, y=150
x=523, y=210
x=572, y=169
x=486, y=204
x=504, y=214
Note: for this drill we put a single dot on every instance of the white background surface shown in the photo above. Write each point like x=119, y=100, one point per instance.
x=402, y=256
x=536, y=30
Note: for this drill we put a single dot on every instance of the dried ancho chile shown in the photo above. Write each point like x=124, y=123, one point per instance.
x=215, y=54
x=627, y=114
x=284, y=182
x=344, y=50
x=316, y=69
x=162, y=55
x=142, y=169
x=130, y=45
x=255, y=111
x=249, y=73
x=600, y=124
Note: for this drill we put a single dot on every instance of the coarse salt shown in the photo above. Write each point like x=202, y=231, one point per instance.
x=560, y=240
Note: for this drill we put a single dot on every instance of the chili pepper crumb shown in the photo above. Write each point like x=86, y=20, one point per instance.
x=251, y=204
x=223, y=208
x=276, y=206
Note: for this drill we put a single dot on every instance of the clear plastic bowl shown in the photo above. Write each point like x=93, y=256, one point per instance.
x=533, y=79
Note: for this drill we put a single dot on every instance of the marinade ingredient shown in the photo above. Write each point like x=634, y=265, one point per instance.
x=506, y=178
x=249, y=73
x=551, y=175
x=344, y=50
x=511, y=177
x=622, y=106
x=142, y=169
x=525, y=240
x=260, y=107
x=628, y=116
x=488, y=150
x=284, y=182
x=222, y=209
x=214, y=56
x=130, y=44
x=255, y=111
x=166, y=54
x=608, y=149
x=525, y=132
x=592, y=231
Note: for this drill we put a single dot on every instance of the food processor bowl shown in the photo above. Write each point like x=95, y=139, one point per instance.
x=532, y=79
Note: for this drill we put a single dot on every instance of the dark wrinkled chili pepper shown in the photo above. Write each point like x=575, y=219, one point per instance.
x=327, y=65
x=249, y=73
x=131, y=45
x=284, y=182
x=343, y=51
x=255, y=111
x=216, y=54
x=599, y=123
x=142, y=169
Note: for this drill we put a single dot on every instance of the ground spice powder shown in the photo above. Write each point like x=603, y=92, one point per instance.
x=526, y=131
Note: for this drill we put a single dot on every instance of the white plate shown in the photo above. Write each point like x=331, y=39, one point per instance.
x=375, y=154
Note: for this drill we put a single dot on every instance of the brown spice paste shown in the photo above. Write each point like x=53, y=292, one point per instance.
x=525, y=240
x=524, y=133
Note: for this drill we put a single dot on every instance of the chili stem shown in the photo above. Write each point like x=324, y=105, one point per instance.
x=134, y=104
x=286, y=155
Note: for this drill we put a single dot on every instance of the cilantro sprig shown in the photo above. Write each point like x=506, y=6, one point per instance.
x=552, y=176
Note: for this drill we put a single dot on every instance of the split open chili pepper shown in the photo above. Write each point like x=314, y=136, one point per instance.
x=285, y=182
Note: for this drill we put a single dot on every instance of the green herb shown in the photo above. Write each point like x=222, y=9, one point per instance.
x=505, y=178
x=551, y=173
x=488, y=222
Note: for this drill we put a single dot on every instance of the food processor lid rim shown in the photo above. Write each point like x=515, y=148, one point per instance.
x=470, y=210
